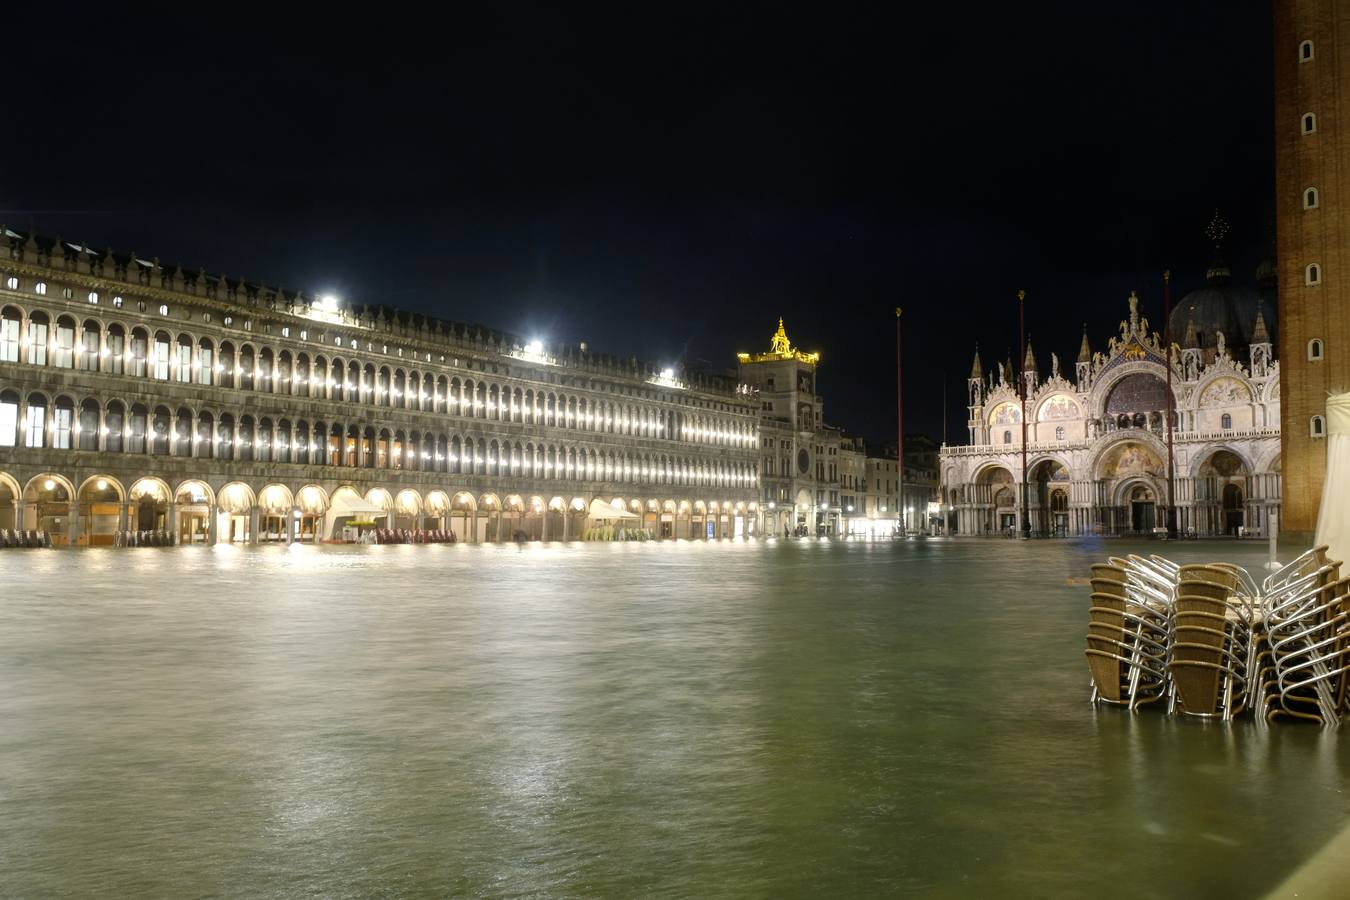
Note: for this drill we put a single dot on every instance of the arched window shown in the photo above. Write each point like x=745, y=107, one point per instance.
x=1059, y=432
x=88, y=357
x=88, y=425
x=1315, y=349
x=1309, y=123
x=35, y=422
x=64, y=356
x=117, y=348
x=182, y=360
x=1318, y=426
x=63, y=421
x=1310, y=198
x=9, y=418
x=161, y=357
x=1305, y=51
x=9, y=334
x=1226, y=422
x=1007, y=437
x=1313, y=274
x=37, y=339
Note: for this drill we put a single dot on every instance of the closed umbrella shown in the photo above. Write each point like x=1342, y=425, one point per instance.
x=1333, y=522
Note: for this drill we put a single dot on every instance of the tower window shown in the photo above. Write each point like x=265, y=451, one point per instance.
x=1226, y=422
x=1313, y=274
x=1305, y=51
x=1007, y=437
x=40, y=288
x=1317, y=426
x=1315, y=349
x=1310, y=198
x=1309, y=123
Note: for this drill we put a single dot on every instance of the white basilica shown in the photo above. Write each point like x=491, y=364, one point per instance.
x=1097, y=446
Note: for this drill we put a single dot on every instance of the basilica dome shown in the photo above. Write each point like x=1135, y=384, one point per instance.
x=1219, y=306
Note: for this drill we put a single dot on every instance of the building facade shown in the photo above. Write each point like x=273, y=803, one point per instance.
x=135, y=396
x=1097, y=445
x=1312, y=215
x=815, y=478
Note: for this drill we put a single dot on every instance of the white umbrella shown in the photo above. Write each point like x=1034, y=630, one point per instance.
x=602, y=510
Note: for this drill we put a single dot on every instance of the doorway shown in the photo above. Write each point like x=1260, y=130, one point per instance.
x=1142, y=513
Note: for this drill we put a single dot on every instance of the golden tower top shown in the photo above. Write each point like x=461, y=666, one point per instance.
x=780, y=348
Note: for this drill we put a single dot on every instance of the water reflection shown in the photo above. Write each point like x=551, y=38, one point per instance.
x=690, y=719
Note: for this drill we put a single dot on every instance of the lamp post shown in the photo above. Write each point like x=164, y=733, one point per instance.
x=1022, y=386
x=900, y=423
x=1171, y=458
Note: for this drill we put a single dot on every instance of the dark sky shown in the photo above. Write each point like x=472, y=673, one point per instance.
x=661, y=177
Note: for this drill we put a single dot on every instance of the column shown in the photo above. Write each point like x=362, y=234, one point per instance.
x=211, y=524
x=288, y=526
x=254, y=515
x=473, y=529
x=73, y=533
x=567, y=524
x=172, y=521
x=124, y=517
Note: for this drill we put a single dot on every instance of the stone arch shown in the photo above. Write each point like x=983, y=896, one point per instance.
x=109, y=483
x=1206, y=457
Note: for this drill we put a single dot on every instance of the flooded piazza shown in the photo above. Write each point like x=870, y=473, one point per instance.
x=799, y=718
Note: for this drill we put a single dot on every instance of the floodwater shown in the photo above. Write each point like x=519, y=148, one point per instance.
x=666, y=719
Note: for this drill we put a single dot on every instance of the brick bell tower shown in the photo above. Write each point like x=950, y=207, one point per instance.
x=1312, y=220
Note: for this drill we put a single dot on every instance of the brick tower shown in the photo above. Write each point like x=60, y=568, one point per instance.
x=1312, y=213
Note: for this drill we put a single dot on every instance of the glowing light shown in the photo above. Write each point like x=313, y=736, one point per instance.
x=48, y=485
x=329, y=303
x=536, y=347
x=102, y=484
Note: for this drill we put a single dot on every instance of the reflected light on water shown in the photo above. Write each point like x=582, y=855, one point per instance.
x=677, y=718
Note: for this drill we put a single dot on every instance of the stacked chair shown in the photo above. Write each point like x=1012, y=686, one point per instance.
x=1307, y=628
x=1211, y=649
x=1127, y=638
x=1213, y=643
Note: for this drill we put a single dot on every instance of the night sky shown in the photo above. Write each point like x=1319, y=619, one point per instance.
x=665, y=181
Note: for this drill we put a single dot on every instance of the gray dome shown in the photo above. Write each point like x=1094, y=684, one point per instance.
x=1218, y=306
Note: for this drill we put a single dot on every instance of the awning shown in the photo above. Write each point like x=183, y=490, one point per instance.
x=1333, y=520
x=602, y=510
x=346, y=505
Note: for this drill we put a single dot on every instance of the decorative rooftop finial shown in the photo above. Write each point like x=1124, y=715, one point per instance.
x=1217, y=230
x=1259, y=333
x=1084, y=351
x=977, y=370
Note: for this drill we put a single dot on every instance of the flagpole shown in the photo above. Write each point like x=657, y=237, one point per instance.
x=1171, y=401
x=1022, y=384
x=900, y=423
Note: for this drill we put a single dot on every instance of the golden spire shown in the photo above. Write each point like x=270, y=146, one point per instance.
x=780, y=348
x=779, y=343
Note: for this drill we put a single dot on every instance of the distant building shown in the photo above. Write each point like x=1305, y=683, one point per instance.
x=1097, y=452
x=1312, y=215
x=815, y=478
